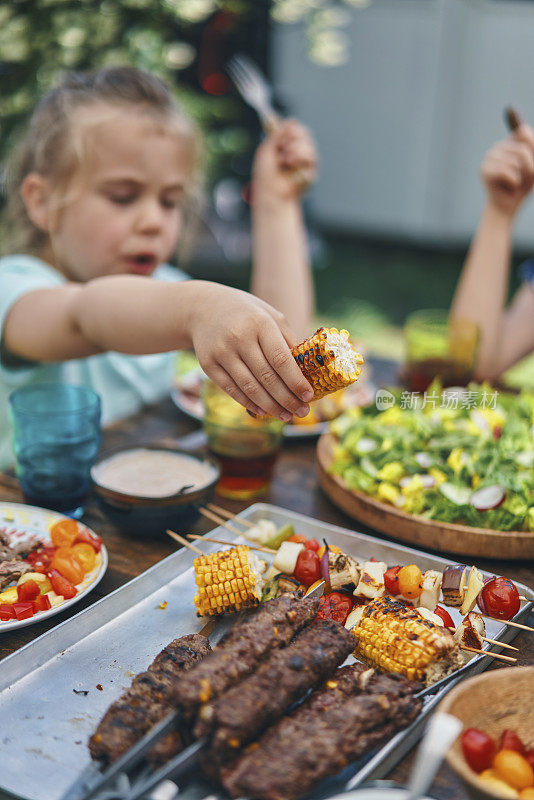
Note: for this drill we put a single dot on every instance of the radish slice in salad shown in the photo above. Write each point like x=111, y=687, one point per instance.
x=488, y=498
x=427, y=480
x=424, y=460
x=459, y=495
x=366, y=445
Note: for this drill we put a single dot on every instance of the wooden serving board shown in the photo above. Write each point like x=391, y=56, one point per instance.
x=430, y=534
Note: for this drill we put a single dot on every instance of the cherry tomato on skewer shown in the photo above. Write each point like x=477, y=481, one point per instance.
x=308, y=567
x=499, y=598
x=336, y=606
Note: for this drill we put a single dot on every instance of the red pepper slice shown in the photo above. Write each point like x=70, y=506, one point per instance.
x=23, y=610
x=391, y=581
x=6, y=612
x=28, y=591
x=41, y=603
x=445, y=616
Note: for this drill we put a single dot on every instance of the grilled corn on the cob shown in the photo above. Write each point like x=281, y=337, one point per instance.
x=328, y=360
x=395, y=638
x=228, y=581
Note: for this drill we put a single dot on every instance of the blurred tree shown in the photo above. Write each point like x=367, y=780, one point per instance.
x=185, y=42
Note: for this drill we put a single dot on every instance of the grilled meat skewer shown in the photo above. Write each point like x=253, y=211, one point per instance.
x=243, y=648
x=321, y=737
x=147, y=700
x=242, y=712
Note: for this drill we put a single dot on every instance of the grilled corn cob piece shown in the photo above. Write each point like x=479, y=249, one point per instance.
x=228, y=581
x=328, y=360
x=395, y=638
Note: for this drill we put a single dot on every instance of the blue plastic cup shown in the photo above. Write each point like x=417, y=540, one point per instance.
x=56, y=438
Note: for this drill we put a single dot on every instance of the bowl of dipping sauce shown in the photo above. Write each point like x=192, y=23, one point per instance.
x=145, y=490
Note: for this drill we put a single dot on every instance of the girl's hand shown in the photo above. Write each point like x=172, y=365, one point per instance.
x=285, y=164
x=508, y=171
x=243, y=344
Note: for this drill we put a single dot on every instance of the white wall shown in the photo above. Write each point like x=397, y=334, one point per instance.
x=403, y=126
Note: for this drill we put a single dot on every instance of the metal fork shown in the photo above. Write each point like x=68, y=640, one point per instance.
x=254, y=89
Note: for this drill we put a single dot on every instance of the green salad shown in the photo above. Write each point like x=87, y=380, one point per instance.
x=464, y=456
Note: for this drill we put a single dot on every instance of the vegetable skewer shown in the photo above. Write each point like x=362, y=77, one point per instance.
x=181, y=540
x=229, y=515
x=261, y=549
x=220, y=521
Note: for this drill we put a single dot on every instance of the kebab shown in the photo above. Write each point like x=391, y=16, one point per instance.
x=241, y=713
x=239, y=652
x=351, y=714
x=146, y=702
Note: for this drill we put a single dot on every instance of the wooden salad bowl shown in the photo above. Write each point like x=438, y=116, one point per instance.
x=444, y=537
x=499, y=699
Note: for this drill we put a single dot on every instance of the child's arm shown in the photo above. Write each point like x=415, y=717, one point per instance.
x=508, y=175
x=241, y=342
x=284, y=167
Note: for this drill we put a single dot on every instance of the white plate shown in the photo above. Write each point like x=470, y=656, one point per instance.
x=191, y=404
x=22, y=523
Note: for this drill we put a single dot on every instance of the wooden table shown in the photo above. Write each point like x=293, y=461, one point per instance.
x=294, y=487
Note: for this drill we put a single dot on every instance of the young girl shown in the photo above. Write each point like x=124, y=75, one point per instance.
x=506, y=334
x=97, y=192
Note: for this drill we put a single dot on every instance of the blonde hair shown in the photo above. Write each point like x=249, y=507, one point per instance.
x=50, y=148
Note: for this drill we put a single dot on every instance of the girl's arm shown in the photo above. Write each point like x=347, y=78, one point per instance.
x=241, y=342
x=508, y=175
x=284, y=167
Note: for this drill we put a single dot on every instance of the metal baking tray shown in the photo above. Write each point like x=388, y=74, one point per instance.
x=54, y=691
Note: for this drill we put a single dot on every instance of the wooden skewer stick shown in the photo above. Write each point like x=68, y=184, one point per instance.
x=522, y=597
x=178, y=538
x=489, y=653
x=491, y=641
x=501, y=644
x=230, y=544
x=220, y=521
x=229, y=515
x=509, y=622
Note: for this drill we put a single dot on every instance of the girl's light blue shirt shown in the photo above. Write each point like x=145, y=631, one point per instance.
x=124, y=382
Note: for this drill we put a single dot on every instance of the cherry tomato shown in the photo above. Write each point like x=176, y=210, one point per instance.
x=478, y=749
x=529, y=755
x=445, y=616
x=391, y=580
x=61, y=585
x=336, y=606
x=64, y=532
x=87, y=537
x=312, y=544
x=28, y=591
x=66, y=563
x=514, y=769
x=85, y=555
x=410, y=581
x=500, y=598
x=6, y=612
x=23, y=610
x=510, y=741
x=41, y=603
x=308, y=567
